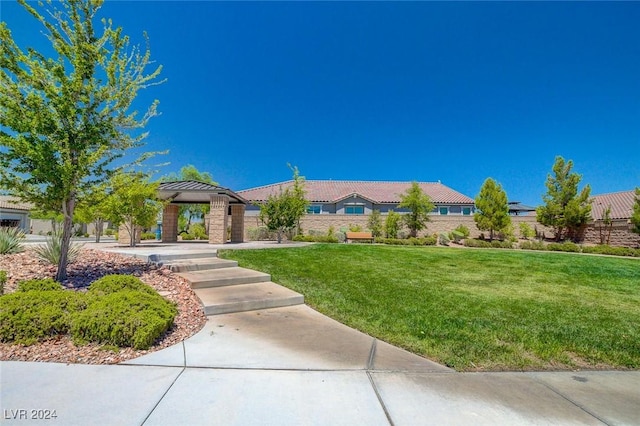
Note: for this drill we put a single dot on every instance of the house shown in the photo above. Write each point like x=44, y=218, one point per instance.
x=347, y=197
x=14, y=213
x=618, y=231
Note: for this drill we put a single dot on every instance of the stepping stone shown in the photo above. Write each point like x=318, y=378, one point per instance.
x=203, y=264
x=224, y=277
x=247, y=297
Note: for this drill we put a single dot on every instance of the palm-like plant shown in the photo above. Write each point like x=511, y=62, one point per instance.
x=11, y=240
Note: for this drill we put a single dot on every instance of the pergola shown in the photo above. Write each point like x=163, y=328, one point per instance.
x=224, y=204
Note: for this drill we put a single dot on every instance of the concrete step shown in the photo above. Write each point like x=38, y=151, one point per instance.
x=224, y=277
x=247, y=297
x=203, y=264
x=182, y=255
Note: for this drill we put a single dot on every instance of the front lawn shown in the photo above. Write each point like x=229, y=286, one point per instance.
x=472, y=309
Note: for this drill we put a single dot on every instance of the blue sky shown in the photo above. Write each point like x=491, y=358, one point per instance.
x=401, y=91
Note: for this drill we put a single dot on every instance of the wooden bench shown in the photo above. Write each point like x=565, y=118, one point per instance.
x=358, y=236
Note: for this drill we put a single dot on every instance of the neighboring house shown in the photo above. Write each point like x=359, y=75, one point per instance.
x=14, y=213
x=345, y=197
x=618, y=233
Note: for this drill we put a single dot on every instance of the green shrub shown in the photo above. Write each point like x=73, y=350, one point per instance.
x=501, y=244
x=29, y=317
x=456, y=236
x=316, y=238
x=612, y=251
x=147, y=236
x=3, y=280
x=355, y=228
x=114, y=283
x=533, y=245
x=124, y=318
x=423, y=241
x=45, y=284
x=109, y=232
x=198, y=231
x=463, y=230
x=50, y=251
x=472, y=242
x=526, y=231
x=11, y=240
x=261, y=233
x=188, y=237
x=444, y=239
x=568, y=247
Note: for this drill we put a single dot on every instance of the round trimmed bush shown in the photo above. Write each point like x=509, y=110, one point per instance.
x=115, y=283
x=124, y=318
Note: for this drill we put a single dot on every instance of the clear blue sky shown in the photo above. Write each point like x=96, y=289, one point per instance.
x=427, y=91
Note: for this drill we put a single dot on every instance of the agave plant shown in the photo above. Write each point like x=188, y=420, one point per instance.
x=11, y=240
x=51, y=249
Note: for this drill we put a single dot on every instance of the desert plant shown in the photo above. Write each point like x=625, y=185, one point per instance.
x=355, y=228
x=533, y=245
x=52, y=249
x=147, y=236
x=11, y=240
x=566, y=246
x=198, y=231
x=444, y=239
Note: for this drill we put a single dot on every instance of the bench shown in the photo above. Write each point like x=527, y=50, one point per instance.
x=358, y=236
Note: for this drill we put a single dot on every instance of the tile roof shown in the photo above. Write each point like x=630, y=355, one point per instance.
x=621, y=205
x=11, y=203
x=331, y=191
x=188, y=185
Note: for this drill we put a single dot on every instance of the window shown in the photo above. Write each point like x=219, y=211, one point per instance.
x=353, y=209
x=466, y=211
x=444, y=210
x=314, y=209
x=455, y=210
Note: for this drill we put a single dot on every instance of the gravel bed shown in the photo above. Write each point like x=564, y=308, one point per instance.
x=91, y=265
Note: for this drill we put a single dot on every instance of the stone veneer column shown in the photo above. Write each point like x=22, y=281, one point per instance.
x=124, y=237
x=218, y=219
x=170, y=223
x=237, y=223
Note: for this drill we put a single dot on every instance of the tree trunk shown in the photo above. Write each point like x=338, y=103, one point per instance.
x=132, y=233
x=279, y=236
x=98, y=224
x=67, y=229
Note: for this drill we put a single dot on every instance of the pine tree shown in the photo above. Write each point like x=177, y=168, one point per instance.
x=565, y=210
x=419, y=205
x=492, y=208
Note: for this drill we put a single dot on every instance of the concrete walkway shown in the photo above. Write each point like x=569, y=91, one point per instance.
x=291, y=366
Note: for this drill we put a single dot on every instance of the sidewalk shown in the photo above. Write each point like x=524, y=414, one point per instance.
x=293, y=366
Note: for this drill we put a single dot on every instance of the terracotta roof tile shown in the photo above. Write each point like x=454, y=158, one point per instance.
x=7, y=202
x=621, y=204
x=330, y=191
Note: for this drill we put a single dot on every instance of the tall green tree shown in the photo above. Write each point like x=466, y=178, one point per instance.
x=635, y=217
x=190, y=211
x=375, y=223
x=492, y=208
x=282, y=212
x=564, y=209
x=133, y=203
x=65, y=119
x=419, y=205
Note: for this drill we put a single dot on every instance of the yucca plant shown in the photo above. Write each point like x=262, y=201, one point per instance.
x=50, y=250
x=11, y=240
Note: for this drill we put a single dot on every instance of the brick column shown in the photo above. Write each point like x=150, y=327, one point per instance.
x=170, y=223
x=218, y=219
x=237, y=223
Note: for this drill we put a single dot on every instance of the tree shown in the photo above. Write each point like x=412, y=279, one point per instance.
x=565, y=210
x=93, y=208
x=605, y=225
x=63, y=120
x=132, y=202
x=375, y=223
x=392, y=224
x=190, y=211
x=492, y=209
x=282, y=212
x=419, y=205
x=635, y=217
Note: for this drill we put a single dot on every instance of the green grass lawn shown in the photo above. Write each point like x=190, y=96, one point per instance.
x=472, y=309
